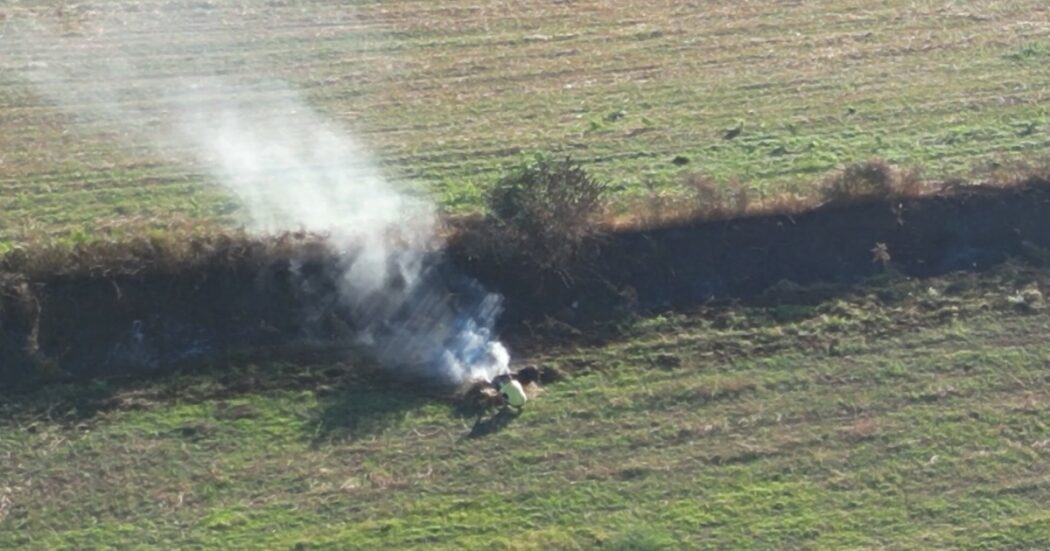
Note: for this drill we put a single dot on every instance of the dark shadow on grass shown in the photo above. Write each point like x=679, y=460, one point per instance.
x=486, y=416
x=494, y=424
x=360, y=410
x=64, y=404
x=355, y=397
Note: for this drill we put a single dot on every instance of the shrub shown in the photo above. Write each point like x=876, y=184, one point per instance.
x=910, y=183
x=544, y=208
x=874, y=179
x=714, y=201
x=706, y=192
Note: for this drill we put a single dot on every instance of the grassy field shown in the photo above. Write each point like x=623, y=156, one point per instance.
x=901, y=415
x=448, y=93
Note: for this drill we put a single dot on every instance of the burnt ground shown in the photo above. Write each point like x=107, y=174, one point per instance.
x=102, y=323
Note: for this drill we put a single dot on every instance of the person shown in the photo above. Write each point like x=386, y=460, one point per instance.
x=513, y=394
x=511, y=387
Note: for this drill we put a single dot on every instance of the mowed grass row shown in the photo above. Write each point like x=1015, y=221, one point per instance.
x=447, y=94
x=905, y=415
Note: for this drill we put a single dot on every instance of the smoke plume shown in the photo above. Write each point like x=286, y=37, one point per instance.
x=289, y=167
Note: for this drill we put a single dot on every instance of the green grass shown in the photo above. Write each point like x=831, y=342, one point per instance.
x=904, y=414
x=447, y=94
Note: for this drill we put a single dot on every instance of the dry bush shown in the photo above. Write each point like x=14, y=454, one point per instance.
x=1015, y=172
x=867, y=181
x=707, y=194
x=543, y=210
x=172, y=251
x=705, y=190
x=787, y=203
x=715, y=201
x=872, y=181
x=654, y=208
x=699, y=198
x=661, y=209
x=740, y=198
x=910, y=184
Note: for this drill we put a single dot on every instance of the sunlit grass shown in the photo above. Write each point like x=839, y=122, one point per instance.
x=915, y=422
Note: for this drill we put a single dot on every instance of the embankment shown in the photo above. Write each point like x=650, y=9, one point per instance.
x=138, y=311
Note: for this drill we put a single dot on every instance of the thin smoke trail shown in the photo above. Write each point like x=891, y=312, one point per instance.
x=290, y=169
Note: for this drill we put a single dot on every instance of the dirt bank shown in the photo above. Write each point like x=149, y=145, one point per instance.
x=968, y=228
x=105, y=321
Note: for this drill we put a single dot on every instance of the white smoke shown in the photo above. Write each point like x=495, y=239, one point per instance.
x=288, y=166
